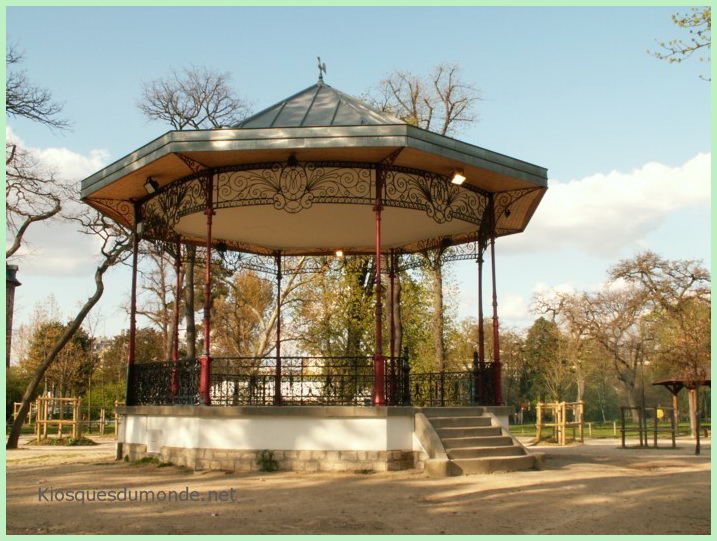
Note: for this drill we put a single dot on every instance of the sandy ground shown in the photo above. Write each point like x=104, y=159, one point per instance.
x=595, y=488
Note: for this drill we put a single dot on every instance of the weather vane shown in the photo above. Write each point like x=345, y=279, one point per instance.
x=322, y=69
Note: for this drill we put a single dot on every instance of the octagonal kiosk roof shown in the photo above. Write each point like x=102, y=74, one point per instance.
x=301, y=177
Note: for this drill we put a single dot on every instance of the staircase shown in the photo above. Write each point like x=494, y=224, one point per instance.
x=470, y=441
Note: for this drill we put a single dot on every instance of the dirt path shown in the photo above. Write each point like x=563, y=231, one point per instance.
x=589, y=489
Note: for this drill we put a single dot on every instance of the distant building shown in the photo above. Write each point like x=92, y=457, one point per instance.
x=11, y=282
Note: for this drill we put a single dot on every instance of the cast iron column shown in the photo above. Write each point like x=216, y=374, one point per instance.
x=205, y=360
x=496, y=339
x=379, y=395
x=481, y=330
x=133, y=307
x=277, y=376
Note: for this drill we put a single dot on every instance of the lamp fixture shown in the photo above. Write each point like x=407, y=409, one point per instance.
x=458, y=177
x=221, y=247
x=151, y=185
x=339, y=253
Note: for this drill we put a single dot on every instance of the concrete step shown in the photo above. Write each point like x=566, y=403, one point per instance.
x=468, y=432
x=495, y=464
x=480, y=452
x=489, y=441
x=453, y=412
x=445, y=422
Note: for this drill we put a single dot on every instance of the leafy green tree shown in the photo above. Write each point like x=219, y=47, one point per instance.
x=698, y=23
x=74, y=363
x=16, y=381
x=543, y=355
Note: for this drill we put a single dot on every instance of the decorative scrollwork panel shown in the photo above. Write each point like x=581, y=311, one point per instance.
x=435, y=194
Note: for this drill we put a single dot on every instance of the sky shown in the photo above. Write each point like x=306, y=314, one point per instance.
x=625, y=137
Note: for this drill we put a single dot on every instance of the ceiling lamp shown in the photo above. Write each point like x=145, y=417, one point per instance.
x=339, y=253
x=151, y=185
x=458, y=177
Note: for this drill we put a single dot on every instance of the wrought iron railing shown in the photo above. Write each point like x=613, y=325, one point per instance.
x=252, y=381
x=163, y=383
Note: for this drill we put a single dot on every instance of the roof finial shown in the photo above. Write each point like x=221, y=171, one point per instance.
x=322, y=70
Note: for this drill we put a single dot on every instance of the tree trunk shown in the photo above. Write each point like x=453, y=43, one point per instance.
x=397, y=322
x=439, y=344
x=72, y=328
x=189, y=304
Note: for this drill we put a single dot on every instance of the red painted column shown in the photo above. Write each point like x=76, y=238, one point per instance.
x=379, y=394
x=277, y=375
x=481, y=330
x=205, y=360
x=496, y=339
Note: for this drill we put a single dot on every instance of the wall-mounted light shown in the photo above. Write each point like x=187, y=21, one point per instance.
x=339, y=253
x=151, y=185
x=458, y=177
x=292, y=161
x=221, y=247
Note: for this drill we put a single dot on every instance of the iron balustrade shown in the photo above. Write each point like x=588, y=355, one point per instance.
x=304, y=381
x=163, y=383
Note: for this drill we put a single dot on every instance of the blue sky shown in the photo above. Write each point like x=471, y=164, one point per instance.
x=625, y=137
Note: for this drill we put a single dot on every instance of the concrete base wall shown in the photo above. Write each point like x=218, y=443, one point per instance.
x=246, y=460
x=307, y=438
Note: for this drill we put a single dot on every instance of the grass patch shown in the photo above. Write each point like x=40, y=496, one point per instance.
x=164, y=464
x=364, y=472
x=266, y=461
x=146, y=460
x=66, y=442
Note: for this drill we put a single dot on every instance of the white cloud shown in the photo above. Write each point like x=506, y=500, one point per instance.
x=605, y=213
x=67, y=164
x=57, y=248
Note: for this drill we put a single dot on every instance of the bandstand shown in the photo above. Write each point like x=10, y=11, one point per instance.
x=315, y=175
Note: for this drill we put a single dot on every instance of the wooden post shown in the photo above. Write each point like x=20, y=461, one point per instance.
x=673, y=422
x=62, y=418
x=101, y=426
x=539, y=424
x=622, y=419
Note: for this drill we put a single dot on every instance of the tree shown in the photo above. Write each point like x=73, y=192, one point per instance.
x=567, y=311
x=618, y=323
x=698, y=23
x=194, y=98
x=159, y=300
x=440, y=102
x=443, y=103
x=25, y=99
x=678, y=296
x=116, y=243
x=32, y=194
x=544, y=356
x=67, y=376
